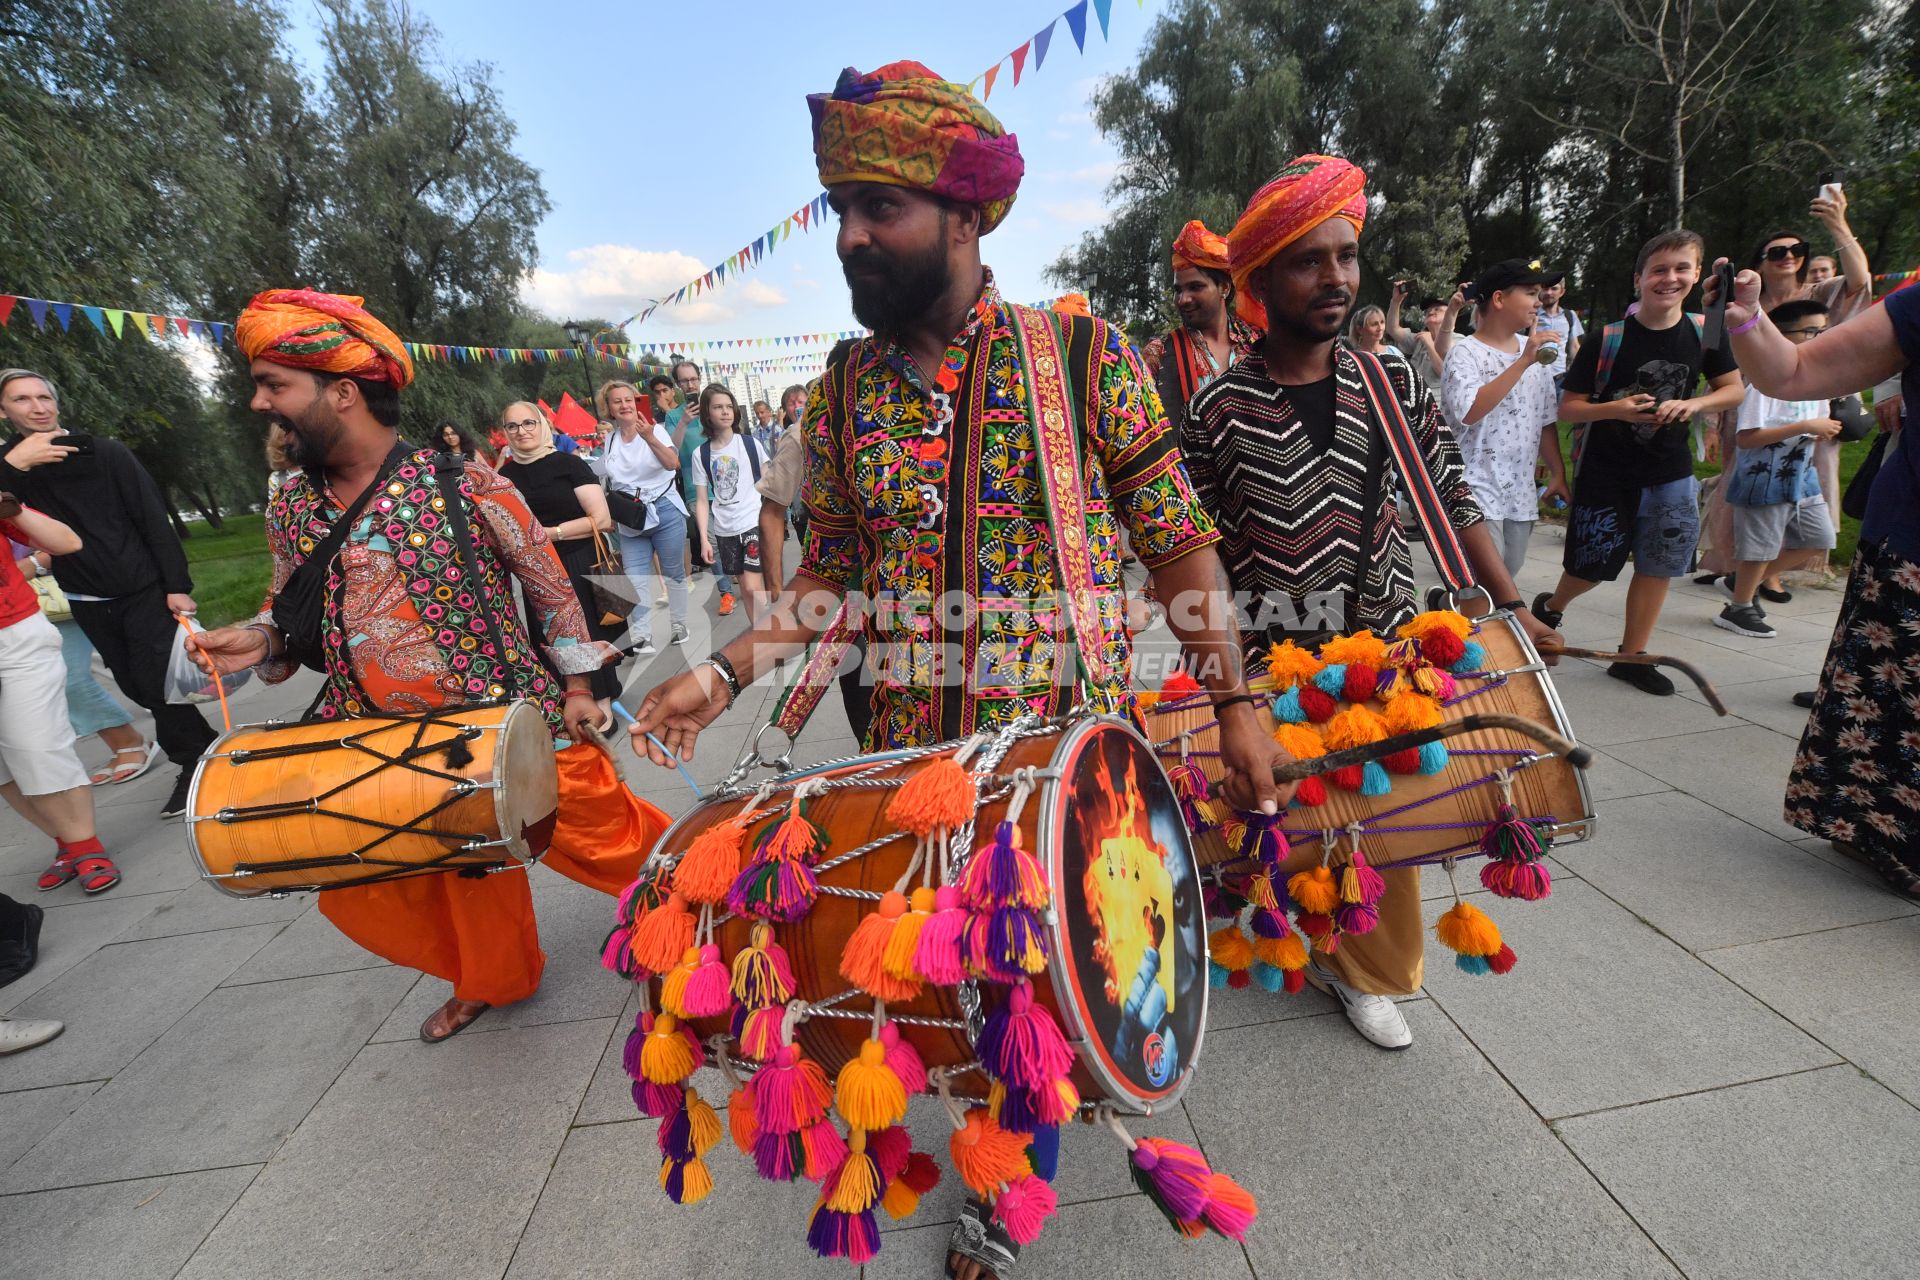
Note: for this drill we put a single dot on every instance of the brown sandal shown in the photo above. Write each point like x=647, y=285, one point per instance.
x=459, y=1015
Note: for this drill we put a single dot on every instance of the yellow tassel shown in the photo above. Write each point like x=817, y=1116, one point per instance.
x=1230, y=949
x=1356, y=726
x=1444, y=619
x=1314, y=890
x=857, y=1186
x=1412, y=713
x=665, y=1055
x=868, y=1095
x=1288, y=665
x=696, y=1182
x=1468, y=930
x=673, y=987
x=703, y=1123
x=904, y=942
x=1260, y=892
x=1363, y=647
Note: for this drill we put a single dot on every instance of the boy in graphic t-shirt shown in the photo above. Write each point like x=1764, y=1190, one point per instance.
x=1633, y=490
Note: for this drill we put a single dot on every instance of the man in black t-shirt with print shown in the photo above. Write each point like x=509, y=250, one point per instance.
x=1634, y=491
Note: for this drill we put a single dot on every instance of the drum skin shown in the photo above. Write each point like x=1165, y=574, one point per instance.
x=854, y=817
x=509, y=741
x=1549, y=788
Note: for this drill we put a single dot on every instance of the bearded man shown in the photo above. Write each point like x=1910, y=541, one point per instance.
x=924, y=477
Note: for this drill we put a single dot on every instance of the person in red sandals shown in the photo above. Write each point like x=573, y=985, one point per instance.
x=403, y=627
x=41, y=777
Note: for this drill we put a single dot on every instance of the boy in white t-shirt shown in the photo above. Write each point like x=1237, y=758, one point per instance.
x=1772, y=488
x=1497, y=391
x=726, y=506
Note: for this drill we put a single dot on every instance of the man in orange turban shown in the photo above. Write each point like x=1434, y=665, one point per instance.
x=1219, y=323
x=402, y=622
x=1297, y=452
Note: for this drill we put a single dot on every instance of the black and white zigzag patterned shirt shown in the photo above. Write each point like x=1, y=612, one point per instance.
x=1306, y=508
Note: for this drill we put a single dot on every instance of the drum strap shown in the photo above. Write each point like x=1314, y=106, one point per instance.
x=447, y=470
x=1057, y=408
x=1448, y=554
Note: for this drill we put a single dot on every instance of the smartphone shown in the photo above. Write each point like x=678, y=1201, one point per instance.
x=1713, y=329
x=79, y=442
x=1830, y=183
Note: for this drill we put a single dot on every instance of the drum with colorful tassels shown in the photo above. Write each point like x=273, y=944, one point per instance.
x=1012, y=923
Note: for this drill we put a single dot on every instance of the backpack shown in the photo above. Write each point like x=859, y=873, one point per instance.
x=706, y=459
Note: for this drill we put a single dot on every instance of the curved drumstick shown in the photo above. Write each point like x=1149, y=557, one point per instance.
x=1574, y=754
x=1687, y=669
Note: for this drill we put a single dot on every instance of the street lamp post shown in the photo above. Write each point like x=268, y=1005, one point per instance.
x=578, y=335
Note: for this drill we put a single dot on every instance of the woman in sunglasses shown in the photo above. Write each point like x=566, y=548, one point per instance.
x=1782, y=260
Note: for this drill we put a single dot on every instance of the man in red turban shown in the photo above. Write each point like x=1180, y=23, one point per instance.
x=411, y=626
x=1219, y=323
x=1297, y=452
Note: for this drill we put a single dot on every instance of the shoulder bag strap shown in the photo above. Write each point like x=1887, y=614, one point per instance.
x=1610, y=339
x=1411, y=462
x=1184, y=370
x=447, y=470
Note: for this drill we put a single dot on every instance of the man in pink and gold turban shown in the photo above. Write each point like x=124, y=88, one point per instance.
x=1297, y=453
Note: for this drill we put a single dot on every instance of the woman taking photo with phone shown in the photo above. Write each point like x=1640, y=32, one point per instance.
x=641, y=469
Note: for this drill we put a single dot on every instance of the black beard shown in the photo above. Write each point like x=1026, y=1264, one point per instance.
x=889, y=295
x=1300, y=328
x=311, y=438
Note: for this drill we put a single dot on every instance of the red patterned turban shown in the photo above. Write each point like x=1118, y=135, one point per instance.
x=1310, y=190
x=326, y=332
x=904, y=126
x=1196, y=246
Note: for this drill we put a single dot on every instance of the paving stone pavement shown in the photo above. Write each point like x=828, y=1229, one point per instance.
x=1703, y=1066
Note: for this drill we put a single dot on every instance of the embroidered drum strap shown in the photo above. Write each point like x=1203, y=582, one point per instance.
x=1448, y=554
x=1056, y=420
x=822, y=667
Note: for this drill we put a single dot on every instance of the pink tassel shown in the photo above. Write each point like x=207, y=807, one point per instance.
x=1230, y=1208
x=1006, y=875
x=760, y=1033
x=710, y=987
x=823, y=1149
x=1024, y=1207
x=1175, y=1177
x=904, y=1060
x=938, y=956
x=790, y=1092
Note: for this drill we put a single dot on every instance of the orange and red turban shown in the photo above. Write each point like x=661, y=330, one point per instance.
x=327, y=332
x=904, y=126
x=1196, y=246
x=1072, y=304
x=1310, y=190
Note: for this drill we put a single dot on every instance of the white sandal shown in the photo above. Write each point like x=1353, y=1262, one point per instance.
x=149, y=754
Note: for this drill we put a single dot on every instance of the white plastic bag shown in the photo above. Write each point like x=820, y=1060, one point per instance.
x=187, y=680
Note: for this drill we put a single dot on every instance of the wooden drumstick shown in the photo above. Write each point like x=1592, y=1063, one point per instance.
x=1687, y=669
x=1572, y=752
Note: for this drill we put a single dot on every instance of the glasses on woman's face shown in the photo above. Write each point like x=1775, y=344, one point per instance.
x=1781, y=252
x=1804, y=332
x=523, y=424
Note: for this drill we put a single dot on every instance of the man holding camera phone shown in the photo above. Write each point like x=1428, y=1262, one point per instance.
x=129, y=580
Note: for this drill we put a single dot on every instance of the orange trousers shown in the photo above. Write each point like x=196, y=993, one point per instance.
x=480, y=935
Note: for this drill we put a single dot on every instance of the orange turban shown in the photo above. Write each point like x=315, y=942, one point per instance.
x=1196, y=246
x=326, y=332
x=1310, y=190
x=1072, y=304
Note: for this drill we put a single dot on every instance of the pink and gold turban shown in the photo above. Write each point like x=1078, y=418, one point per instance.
x=1310, y=190
x=327, y=332
x=904, y=126
x=1196, y=246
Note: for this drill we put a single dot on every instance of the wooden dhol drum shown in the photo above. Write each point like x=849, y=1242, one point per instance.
x=1425, y=817
x=325, y=804
x=1127, y=977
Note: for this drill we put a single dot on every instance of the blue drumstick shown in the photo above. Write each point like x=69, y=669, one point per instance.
x=627, y=715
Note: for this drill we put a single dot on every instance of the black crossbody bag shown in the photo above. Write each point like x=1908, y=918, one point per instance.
x=300, y=606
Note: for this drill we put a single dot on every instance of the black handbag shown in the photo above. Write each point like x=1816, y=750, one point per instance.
x=1860, y=488
x=300, y=606
x=1855, y=422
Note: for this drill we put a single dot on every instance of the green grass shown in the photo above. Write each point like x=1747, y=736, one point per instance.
x=232, y=568
x=1851, y=456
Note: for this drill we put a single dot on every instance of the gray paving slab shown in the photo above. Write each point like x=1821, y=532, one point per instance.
x=69, y=934
x=1602, y=1011
x=1788, y=630
x=1706, y=879
x=1721, y=664
x=1254, y=1004
x=1416, y=1163
x=1833, y=856
x=1125, y=1236
x=1604, y=712
x=1805, y=657
x=1852, y=988
x=1764, y=702
x=602, y=1214
x=422, y=1160
x=31, y=1114
x=139, y=1230
x=573, y=921
x=1611, y=778
x=202, y=908
x=121, y=999
x=609, y=1095
x=1740, y=770
x=1813, y=1175
x=306, y=948
x=224, y=1086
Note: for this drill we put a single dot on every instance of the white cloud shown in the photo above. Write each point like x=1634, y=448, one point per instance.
x=1101, y=173
x=761, y=294
x=610, y=280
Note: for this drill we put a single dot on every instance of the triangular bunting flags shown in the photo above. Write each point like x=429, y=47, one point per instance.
x=63, y=312
x=140, y=319
x=115, y=319
x=993, y=74
x=1077, y=25
x=97, y=318
x=37, y=308
x=7, y=302
x=1103, y=9
x=801, y=216
x=180, y=323
x=159, y=324
x=1020, y=60
x=1041, y=40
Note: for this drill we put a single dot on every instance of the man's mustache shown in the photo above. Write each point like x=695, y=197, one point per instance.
x=866, y=262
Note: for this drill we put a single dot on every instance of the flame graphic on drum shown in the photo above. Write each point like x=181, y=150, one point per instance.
x=1130, y=895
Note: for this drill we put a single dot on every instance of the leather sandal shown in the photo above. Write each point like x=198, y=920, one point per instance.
x=459, y=1014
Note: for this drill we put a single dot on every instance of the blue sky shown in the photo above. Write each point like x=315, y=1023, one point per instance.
x=608, y=95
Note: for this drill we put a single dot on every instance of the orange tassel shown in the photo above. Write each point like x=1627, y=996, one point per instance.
x=673, y=987
x=985, y=1155
x=1314, y=890
x=940, y=795
x=742, y=1126
x=863, y=960
x=711, y=863
x=662, y=936
x=904, y=942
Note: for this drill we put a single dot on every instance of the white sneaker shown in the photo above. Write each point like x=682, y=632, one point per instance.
x=1375, y=1017
x=24, y=1033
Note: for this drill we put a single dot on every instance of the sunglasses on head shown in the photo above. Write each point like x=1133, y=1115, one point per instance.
x=1781, y=252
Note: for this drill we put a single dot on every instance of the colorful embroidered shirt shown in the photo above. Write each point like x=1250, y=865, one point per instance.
x=943, y=672
x=1182, y=365
x=405, y=623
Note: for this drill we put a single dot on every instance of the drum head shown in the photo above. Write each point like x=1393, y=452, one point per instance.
x=528, y=801
x=1129, y=936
